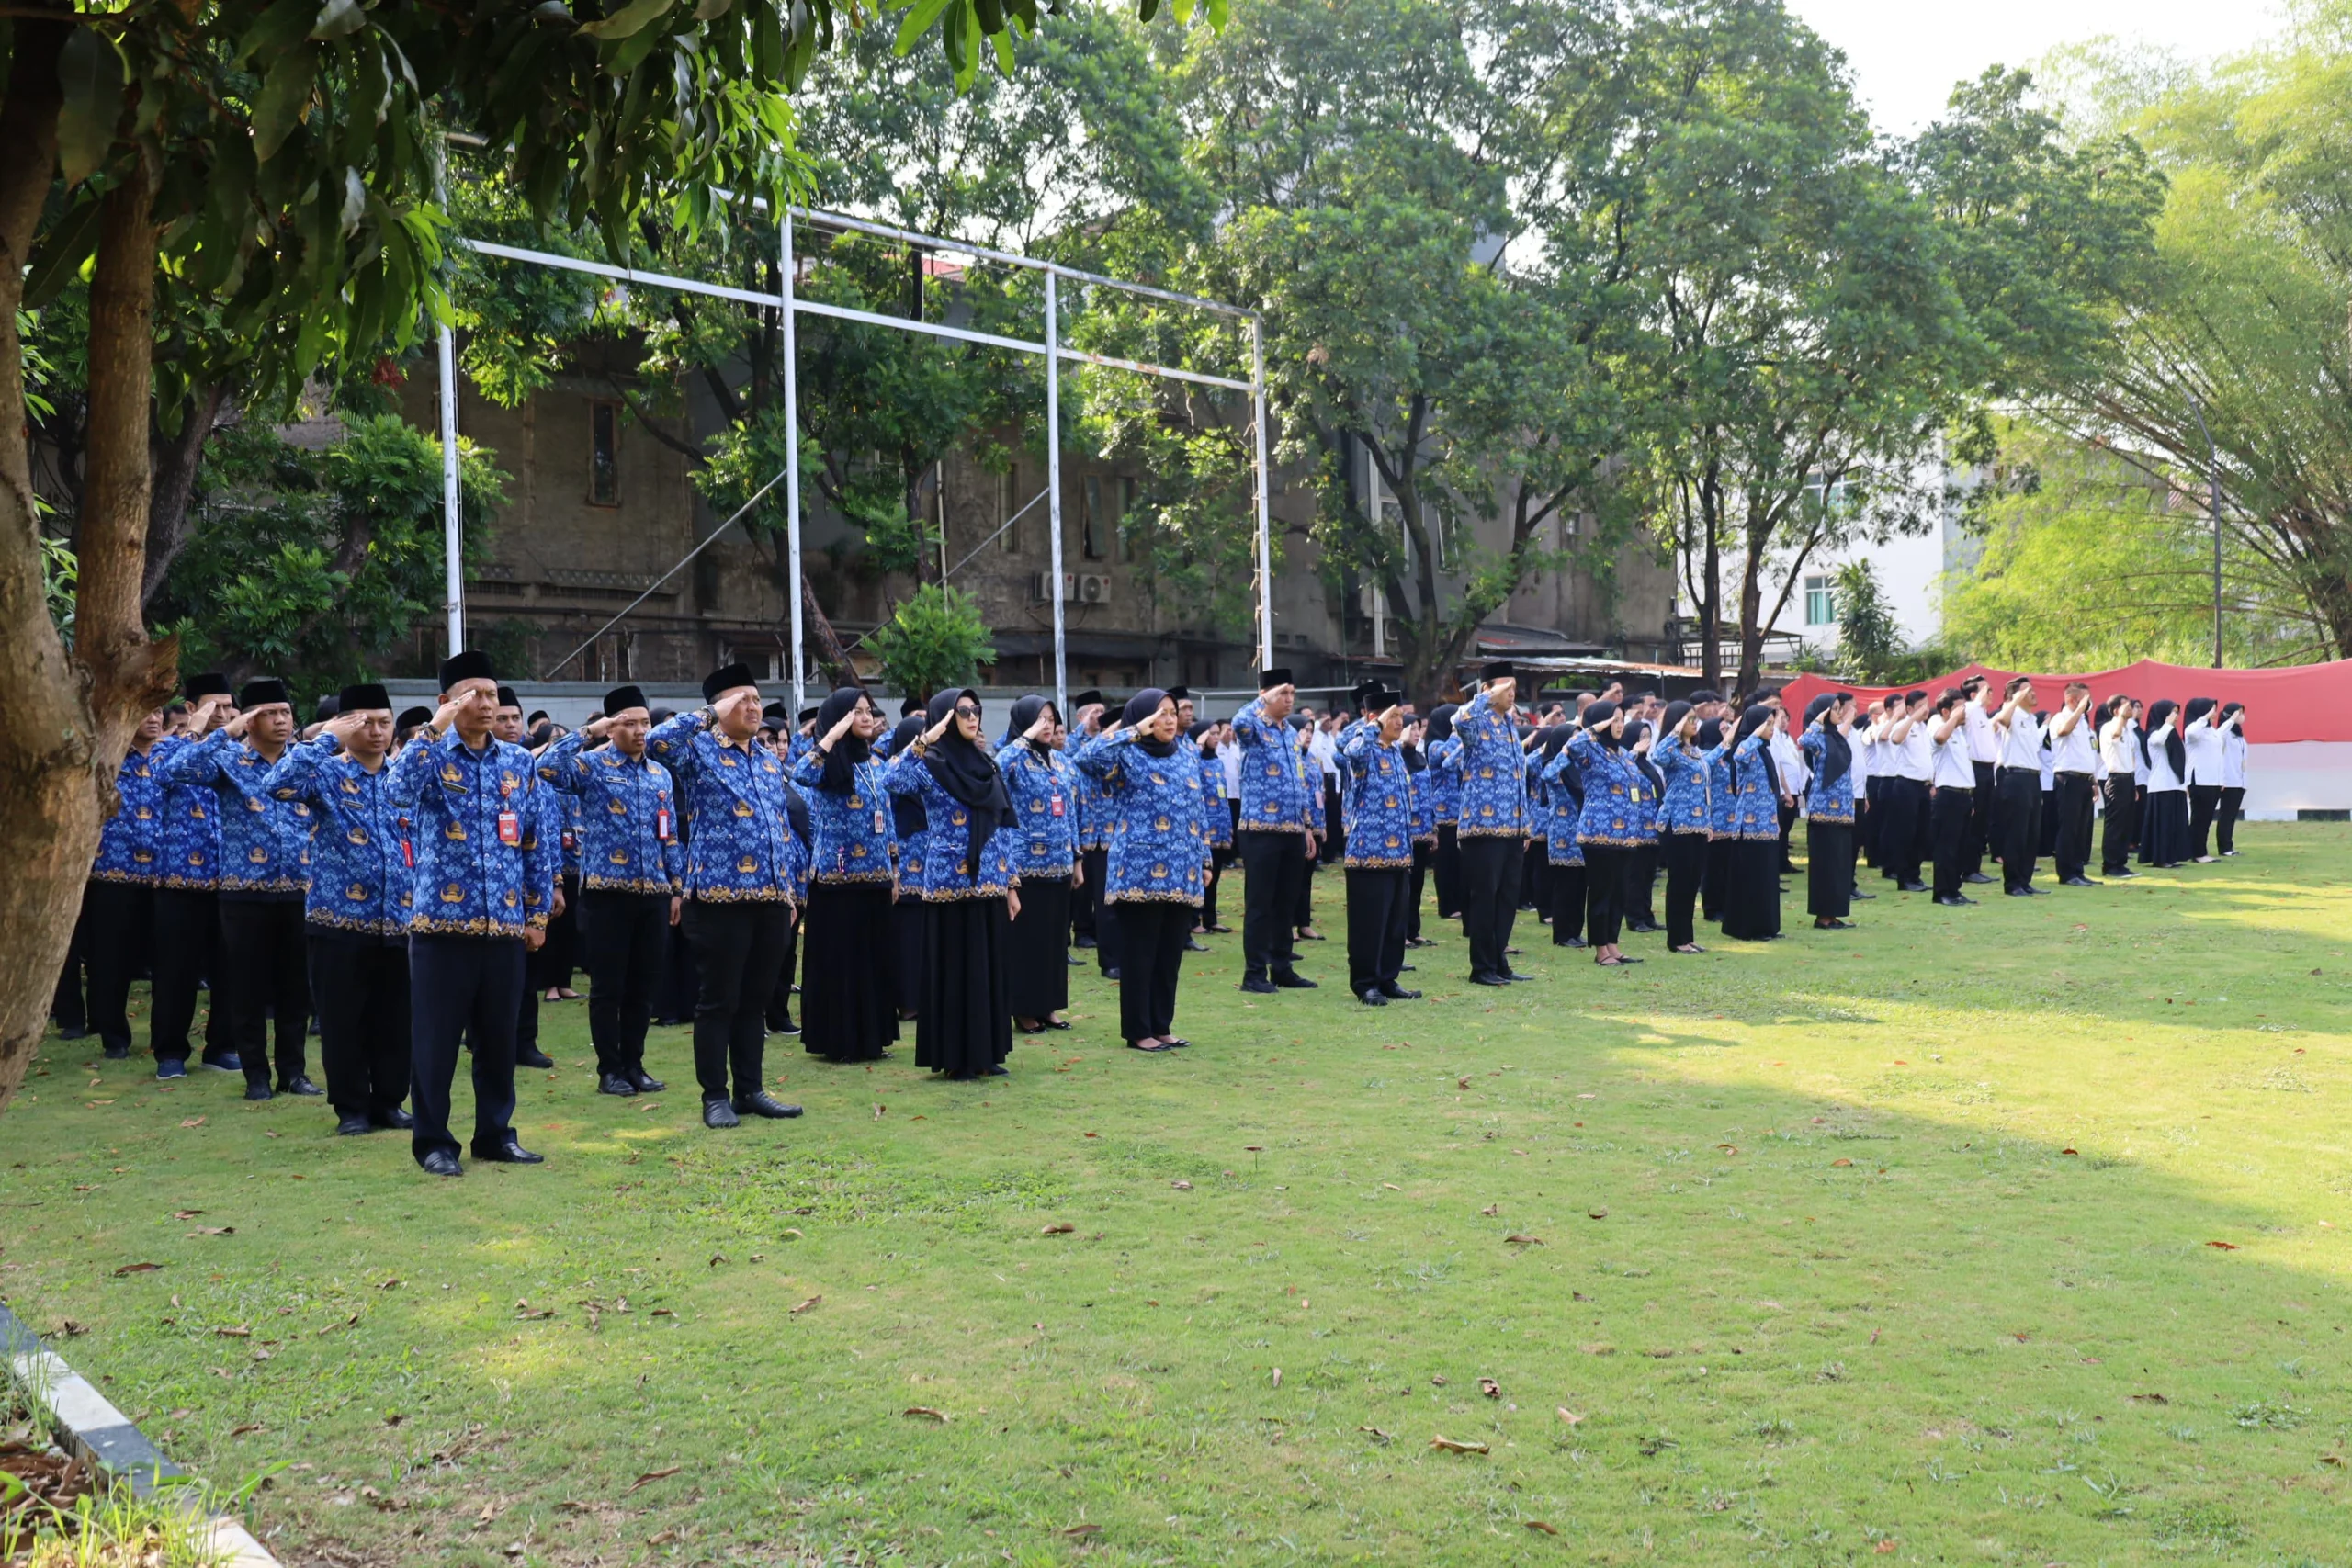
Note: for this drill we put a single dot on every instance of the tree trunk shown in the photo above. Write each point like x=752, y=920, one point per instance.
x=828, y=641
x=47, y=746
x=176, y=460
x=1751, y=605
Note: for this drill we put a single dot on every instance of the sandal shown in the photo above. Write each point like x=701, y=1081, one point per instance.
x=1153, y=1045
x=1689, y=947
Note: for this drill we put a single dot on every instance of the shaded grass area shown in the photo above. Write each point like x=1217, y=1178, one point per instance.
x=2019, y=1234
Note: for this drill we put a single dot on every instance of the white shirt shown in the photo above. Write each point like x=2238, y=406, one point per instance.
x=1228, y=757
x=2232, y=756
x=1955, y=759
x=2139, y=760
x=2204, y=743
x=2119, y=750
x=1915, y=754
x=1324, y=750
x=2074, y=752
x=2020, y=744
x=1788, y=757
x=2162, y=780
x=1979, y=732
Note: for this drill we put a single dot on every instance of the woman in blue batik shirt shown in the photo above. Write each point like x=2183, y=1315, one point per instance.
x=848, y=1000
x=1752, y=898
x=965, y=881
x=1684, y=825
x=1713, y=739
x=1641, y=866
x=1615, y=822
x=1152, y=871
x=1445, y=802
x=907, y=824
x=1042, y=787
x=1829, y=807
x=1563, y=777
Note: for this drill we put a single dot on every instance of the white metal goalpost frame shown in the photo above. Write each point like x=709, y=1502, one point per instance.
x=788, y=300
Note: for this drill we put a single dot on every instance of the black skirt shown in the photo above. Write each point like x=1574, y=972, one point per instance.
x=1752, y=890
x=1828, y=869
x=966, y=1026
x=849, y=993
x=1037, y=964
x=2163, y=827
x=908, y=938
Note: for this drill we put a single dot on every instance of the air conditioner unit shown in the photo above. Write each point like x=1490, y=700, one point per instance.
x=1094, y=588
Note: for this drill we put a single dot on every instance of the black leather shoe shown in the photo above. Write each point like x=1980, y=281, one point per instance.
x=1110, y=973
x=257, y=1091
x=300, y=1084
x=1257, y=987
x=1083, y=942
x=1955, y=902
x=394, y=1121
x=1912, y=887
x=1516, y=978
x=1860, y=893
x=534, y=1058
x=610, y=1083
x=441, y=1162
x=2079, y=882
x=117, y=1052
x=762, y=1103
x=1371, y=999
x=1572, y=942
x=511, y=1152
x=1976, y=876
x=1194, y=945
x=354, y=1127
x=1483, y=978
x=1075, y=962
x=1396, y=993
x=787, y=1027
x=1292, y=980
x=646, y=1082
x=718, y=1113
x=2019, y=892
x=997, y=1071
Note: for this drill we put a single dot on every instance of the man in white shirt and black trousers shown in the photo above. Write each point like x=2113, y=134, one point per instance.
x=2074, y=754
x=2017, y=778
x=1983, y=751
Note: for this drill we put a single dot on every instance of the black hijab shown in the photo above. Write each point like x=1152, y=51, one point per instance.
x=1139, y=708
x=907, y=813
x=2175, y=750
x=1553, y=736
x=1441, y=721
x=1595, y=717
x=2231, y=711
x=1711, y=734
x=2198, y=708
x=840, y=763
x=1837, y=751
x=968, y=775
x=1633, y=733
x=1755, y=718
x=1025, y=712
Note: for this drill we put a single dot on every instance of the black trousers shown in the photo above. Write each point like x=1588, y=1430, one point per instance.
x=552, y=966
x=1378, y=913
x=1424, y=850
x=1787, y=811
x=188, y=955
x=1686, y=861
x=738, y=949
x=1898, y=830
x=1640, y=905
x=2120, y=799
x=1335, y=820
x=1445, y=866
x=1604, y=892
x=2074, y=793
x=1272, y=865
x=2204, y=802
x=107, y=939
x=2020, y=821
x=1567, y=904
x=462, y=986
x=2048, y=845
x=264, y=947
x=1302, y=913
x=1535, y=877
x=1088, y=895
x=1952, y=816
x=360, y=987
x=2225, y=822
x=1828, y=869
x=1867, y=801
x=1980, y=820
x=1714, y=886
x=779, y=1016
x=67, y=1003
x=674, y=997
x=623, y=935
x=1154, y=931
x=1205, y=918
x=1491, y=865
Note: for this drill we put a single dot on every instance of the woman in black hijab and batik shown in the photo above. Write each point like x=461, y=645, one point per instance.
x=1043, y=844
x=849, y=994
x=966, y=884
x=906, y=908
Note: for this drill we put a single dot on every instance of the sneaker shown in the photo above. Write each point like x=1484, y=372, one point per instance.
x=227, y=1061
x=171, y=1067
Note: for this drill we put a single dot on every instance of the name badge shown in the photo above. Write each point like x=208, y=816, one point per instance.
x=407, y=855
x=662, y=824
x=568, y=842
x=881, y=822
x=1058, y=803
x=510, y=828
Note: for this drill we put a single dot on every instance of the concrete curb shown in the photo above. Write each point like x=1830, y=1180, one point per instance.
x=91, y=1429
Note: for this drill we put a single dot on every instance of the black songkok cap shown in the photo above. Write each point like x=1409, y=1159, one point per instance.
x=1496, y=670
x=471, y=665
x=411, y=718
x=507, y=698
x=268, y=689
x=212, y=683
x=1086, y=699
x=1277, y=676
x=621, y=699
x=1182, y=693
x=328, y=707
x=808, y=714
x=913, y=705
x=726, y=678
x=365, y=695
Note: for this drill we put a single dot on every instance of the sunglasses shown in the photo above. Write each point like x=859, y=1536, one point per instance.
x=966, y=710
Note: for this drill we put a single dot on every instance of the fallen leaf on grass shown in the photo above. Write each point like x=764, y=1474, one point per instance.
x=389, y=1285
x=2223, y=1246
x=239, y=1332
x=926, y=1411
x=1600, y=1213
x=1491, y=1210
x=1060, y=1228
x=2150, y=1399
x=1278, y=1377
x=1462, y=1083
x=1450, y=1446
x=186, y=1214
x=1836, y=1162
x=665, y=1539
x=1378, y=1435
x=193, y=1122
x=69, y=1329
x=1570, y=1416
x=879, y=1112
x=1181, y=1186
x=136, y=1268
x=1597, y=1349
x=1884, y=1546
x=2070, y=1151
x=1539, y=1525
x=394, y=1420
x=1520, y=1239
x=1490, y=1388
x=524, y=1312
x=2335, y=1459
x=1081, y=1531
x=1392, y=1187
x=489, y=1512
x=804, y=1306
x=651, y=1476
x=717, y=1259
x=240, y=1432
x=267, y=1134
x=665, y=1312
x=214, y=1230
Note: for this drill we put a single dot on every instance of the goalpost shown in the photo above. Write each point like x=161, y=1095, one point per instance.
x=791, y=305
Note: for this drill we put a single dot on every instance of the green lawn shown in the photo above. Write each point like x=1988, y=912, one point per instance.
x=2013, y=1234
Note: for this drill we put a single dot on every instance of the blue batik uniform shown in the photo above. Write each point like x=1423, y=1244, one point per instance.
x=741, y=848
x=937, y=871
x=1494, y=774
x=1154, y=853
x=475, y=874
x=1617, y=809
x=854, y=838
x=565, y=810
x=1043, y=789
x=1093, y=811
x=1422, y=795
x=265, y=843
x=191, y=835
x=1378, y=801
x=1721, y=797
x=359, y=871
x=130, y=845
x=1564, y=797
x=624, y=814
x=1756, y=802
x=1688, y=805
x=1446, y=775
x=1216, y=822
x=1276, y=798
x=1832, y=802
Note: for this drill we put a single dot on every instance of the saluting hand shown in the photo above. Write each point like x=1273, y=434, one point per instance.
x=841, y=726
x=1043, y=728
x=931, y=737
x=447, y=714
x=342, y=726
x=236, y=726
x=595, y=727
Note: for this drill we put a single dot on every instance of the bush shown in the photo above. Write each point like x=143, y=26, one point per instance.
x=936, y=638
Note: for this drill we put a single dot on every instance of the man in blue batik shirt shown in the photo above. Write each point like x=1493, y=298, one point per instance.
x=1276, y=838
x=1379, y=846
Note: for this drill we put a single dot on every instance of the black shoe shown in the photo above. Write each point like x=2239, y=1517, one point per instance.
x=511, y=1152
x=441, y=1162
x=2019, y=892
x=787, y=1027
x=718, y=1113
x=532, y=1057
x=1954, y=901
x=1110, y=973
x=1292, y=980
x=1259, y=986
x=1371, y=999
x=997, y=1071
x=2077, y=882
x=1911, y=887
x=75, y=1033
x=1833, y=925
x=760, y=1103
x=2123, y=876
x=1086, y=942
x=394, y=1120
x=1220, y=931
x=1513, y=952
x=1076, y=962
x=646, y=1082
x=1643, y=929
x=1484, y=978
x=1516, y=978
x=1057, y=1023
x=1396, y=993
x=300, y=1084
x=1194, y=945
x=1976, y=876
x=117, y=1052
x=226, y=1062
x=257, y=1090
x=1572, y=942
x=171, y=1067
x=1860, y=893
x=613, y=1083
x=354, y=1127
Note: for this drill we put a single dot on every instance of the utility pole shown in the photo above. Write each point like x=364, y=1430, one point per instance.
x=2213, y=510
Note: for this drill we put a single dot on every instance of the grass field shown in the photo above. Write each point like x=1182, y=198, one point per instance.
x=2013, y=1234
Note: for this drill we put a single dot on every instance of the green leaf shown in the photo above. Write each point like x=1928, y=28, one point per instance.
x=280, y=109
x=279, y=25
x=59, y=260
x=90, y=70
x=1003, y=41
x=630, y=19
x=339, y=18
x=918, y=21
x=710, y=10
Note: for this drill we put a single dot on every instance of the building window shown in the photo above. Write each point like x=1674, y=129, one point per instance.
x=603, y=454
x=1008, y=507
x=1091, y=521
x=1123, y=492
x=1820, y=601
